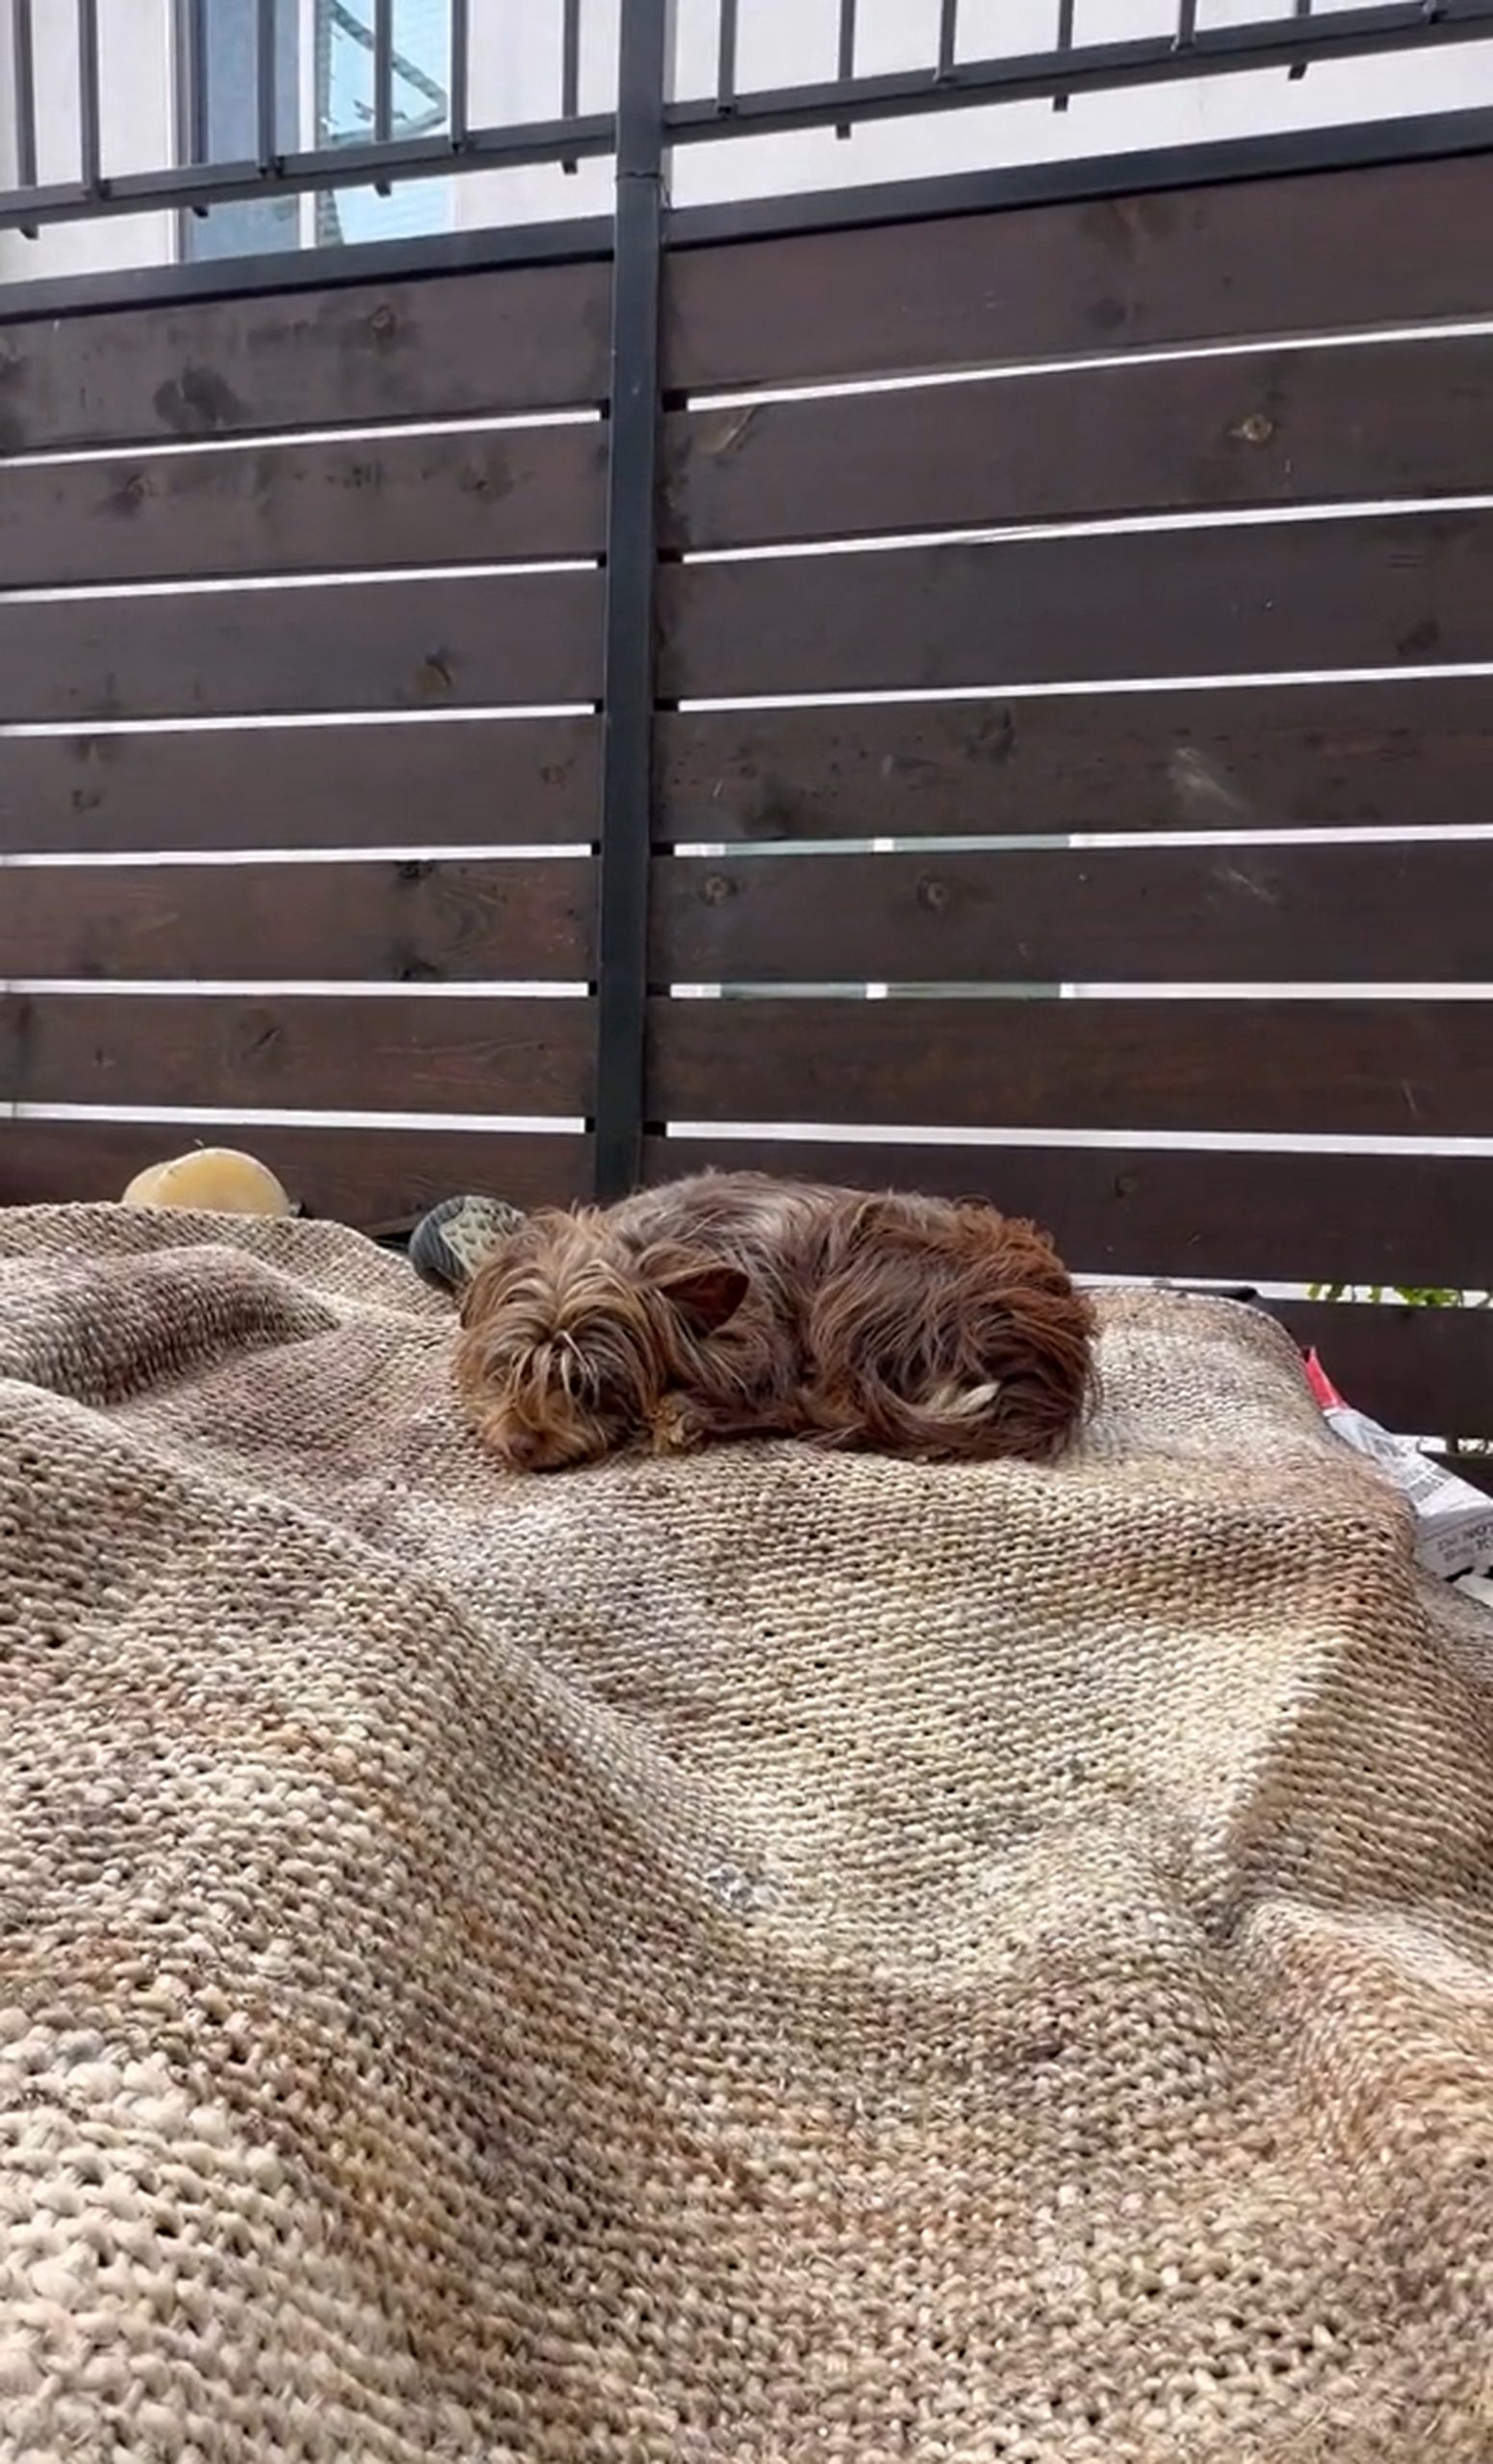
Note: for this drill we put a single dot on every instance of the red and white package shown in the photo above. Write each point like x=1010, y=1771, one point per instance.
x=1454, y=1522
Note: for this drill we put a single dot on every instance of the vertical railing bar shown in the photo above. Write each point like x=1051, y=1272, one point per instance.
x=190, y=80
x=383, y=81
x=383, y=71
x=23, y=69
x=89, y=136
x=266, y=115
x=726, y=59
x=948, y=36
x=1297, y=68
x=458, y=108
x=570, y=72
x=1065, y=43
x=192, y=35
x=632, y=549
x=845, y=66
x=1186, y=23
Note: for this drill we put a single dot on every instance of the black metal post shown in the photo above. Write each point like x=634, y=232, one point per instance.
x=570, y=72
x=266, y=113
x=845, y=68
x=726, y=57
x=89, y=136
x=460, y=73
x=948, y=36
x=383, y=71
x=1298, y=67
x=23, y=73
x=1060, y=100
x=632, y=568
x=383, y=81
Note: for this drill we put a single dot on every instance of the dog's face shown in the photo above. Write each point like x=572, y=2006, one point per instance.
x=570, y=1350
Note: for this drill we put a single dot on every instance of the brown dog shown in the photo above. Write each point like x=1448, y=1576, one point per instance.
x=732, y=1306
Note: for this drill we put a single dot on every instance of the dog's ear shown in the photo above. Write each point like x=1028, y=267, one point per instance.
x=706, y=1291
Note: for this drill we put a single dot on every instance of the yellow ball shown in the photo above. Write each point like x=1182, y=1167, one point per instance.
x=215, y=1180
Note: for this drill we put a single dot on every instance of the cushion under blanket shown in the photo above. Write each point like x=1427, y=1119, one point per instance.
x=768, y=1958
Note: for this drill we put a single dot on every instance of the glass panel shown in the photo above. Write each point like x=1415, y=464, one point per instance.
x=345, y=112
x=259, y=225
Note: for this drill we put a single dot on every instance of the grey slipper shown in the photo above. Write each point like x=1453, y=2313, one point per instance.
x=449, y=1244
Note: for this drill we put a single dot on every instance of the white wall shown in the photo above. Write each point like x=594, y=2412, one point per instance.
x=788, y=39
x=138, y=131
x=516, y=75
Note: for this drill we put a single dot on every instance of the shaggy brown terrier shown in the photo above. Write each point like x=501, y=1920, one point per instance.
x=732, y=1306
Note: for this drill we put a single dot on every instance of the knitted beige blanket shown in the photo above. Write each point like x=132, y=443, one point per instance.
x=767, y=1960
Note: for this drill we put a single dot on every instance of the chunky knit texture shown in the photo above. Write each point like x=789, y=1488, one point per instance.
x=770, y=1959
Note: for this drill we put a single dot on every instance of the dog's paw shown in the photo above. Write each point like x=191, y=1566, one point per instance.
x=676, y=1426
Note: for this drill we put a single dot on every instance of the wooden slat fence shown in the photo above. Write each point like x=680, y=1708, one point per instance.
x=1253, y=577
x=105, y=961
x=1285, y=505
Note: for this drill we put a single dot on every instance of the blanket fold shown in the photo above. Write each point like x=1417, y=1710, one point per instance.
x=766, y=1959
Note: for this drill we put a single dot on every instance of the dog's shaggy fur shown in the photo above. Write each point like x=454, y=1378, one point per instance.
x=732, y=1306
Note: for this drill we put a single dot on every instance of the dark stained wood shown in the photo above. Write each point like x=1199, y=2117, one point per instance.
x=297, y=1053
x=379, y=1180
x=1393, y=912
x=417, y=921
x=1271, y=758
x=1242, y=1217
x=1427, y=1372
x=490, y=496
x=401, y=645
x=1376, y=591
x=1157, y=436
x=485, y=782
x=1370, y=1069
x=449, y=347
x=1392, y=245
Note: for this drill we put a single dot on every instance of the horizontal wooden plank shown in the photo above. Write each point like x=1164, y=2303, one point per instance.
x=1396, y=244
x=379, y=1180
x=1392, y=913
x=445, y=346
x=1236, y=1216
x=1271, y=758
x=299, y=1053
x=1354, y=1069
x=485, y=782
x=1144, y=436
x=1428, y=1372
x=403, y=645
x=1366, y=592
x=288, y=507
x=418, y=921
